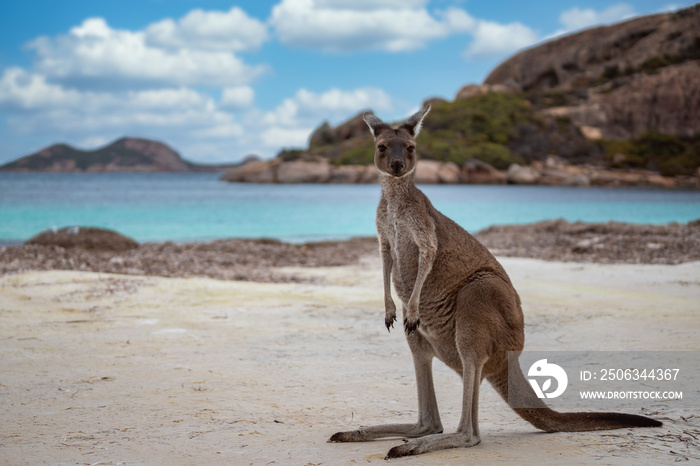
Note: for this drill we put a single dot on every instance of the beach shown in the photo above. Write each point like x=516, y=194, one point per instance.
x=263, y=366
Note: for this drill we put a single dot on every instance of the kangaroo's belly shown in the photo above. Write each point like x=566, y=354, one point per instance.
x=405, y=270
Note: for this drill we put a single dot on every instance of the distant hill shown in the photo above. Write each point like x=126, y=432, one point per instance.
x=123, y=155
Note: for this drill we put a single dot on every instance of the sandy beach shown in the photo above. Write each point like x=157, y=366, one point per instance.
x=103, y=368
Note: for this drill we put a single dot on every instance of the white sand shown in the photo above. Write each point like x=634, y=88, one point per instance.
x=111, y=369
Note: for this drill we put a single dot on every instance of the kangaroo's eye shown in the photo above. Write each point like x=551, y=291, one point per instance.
x=411, y=149
x=381, y=147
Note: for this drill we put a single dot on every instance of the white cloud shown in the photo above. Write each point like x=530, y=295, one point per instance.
x=336, y=101
x=577, y=18
x=93, y=142
x=237, y=97
x=94, y=51
x=290, y=124
x=46, y=107
x=365, y=5
x=26, y=91
x=286, y=137
x=341, y=26
x=389, y=25
x=333, y=105
x=223, y=129
x=233, y=30
x=494, y=39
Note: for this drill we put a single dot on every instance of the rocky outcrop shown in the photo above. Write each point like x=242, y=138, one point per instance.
x=87, y=238
x=473, y=90
x=300, y=171
x=667, y=101
x=433, y=172
x=327, y=134
x=475, y=171
x=618, y=81
x=253, y=172
x=553, y=171
x=522, y=175
x=583, y=57
x=123, y=155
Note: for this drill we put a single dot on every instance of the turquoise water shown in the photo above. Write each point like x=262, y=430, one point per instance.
x=185, y=207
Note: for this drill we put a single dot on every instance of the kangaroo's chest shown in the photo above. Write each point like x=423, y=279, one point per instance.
x=398, y=229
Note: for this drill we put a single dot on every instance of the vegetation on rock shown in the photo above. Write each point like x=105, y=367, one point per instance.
x=667, y=154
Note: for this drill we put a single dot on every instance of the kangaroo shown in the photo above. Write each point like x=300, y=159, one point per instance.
x=459, y=305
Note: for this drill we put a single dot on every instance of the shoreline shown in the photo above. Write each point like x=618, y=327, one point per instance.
x=260, y=260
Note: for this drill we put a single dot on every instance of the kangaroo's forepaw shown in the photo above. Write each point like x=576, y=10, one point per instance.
x=411, y=324
x=389, y=321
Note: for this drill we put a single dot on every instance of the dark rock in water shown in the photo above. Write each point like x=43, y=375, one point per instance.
x=88, y=238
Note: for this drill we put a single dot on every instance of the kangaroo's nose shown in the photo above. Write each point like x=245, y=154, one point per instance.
x=396, y=166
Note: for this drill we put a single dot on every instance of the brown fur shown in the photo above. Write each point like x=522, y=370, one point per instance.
x=459, y=306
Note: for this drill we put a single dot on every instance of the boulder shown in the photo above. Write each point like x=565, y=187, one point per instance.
x=517, y=174
x=434, y=172
x=449, y=173
x=89, y=238
x=302, y=171
x=253, y=172
x=576, y=180
x=427, y=172
x=347, y=174
x=369, y=175
x=475, y=171
x=474, y=90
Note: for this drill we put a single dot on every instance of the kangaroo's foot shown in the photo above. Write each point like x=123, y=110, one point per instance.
x=364, y=434
x=432, y=443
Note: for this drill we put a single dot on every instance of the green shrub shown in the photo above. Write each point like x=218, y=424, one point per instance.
x=289, y=155
x=360, y=155
x=665, y=153
x=497, y=155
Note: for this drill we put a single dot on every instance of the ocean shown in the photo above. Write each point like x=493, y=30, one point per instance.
x=197, y=206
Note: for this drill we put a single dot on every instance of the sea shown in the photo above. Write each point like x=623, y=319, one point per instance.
x=185, y=207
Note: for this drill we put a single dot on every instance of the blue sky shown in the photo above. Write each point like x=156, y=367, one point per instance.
x=218, y=80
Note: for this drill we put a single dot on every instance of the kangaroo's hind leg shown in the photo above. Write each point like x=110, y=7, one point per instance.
x=467, y=434
x=428, y=416
x=483, y=314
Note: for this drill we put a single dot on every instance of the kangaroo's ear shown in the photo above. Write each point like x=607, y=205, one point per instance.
x=376, y=126
x=415, y=123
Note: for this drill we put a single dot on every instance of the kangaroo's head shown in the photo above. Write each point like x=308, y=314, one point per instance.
x=395, y=148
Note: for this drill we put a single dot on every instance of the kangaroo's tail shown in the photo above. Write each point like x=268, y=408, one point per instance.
x=549, y=420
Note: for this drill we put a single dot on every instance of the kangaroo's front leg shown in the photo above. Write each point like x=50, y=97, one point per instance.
x=426, y=240
x=387, y=263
